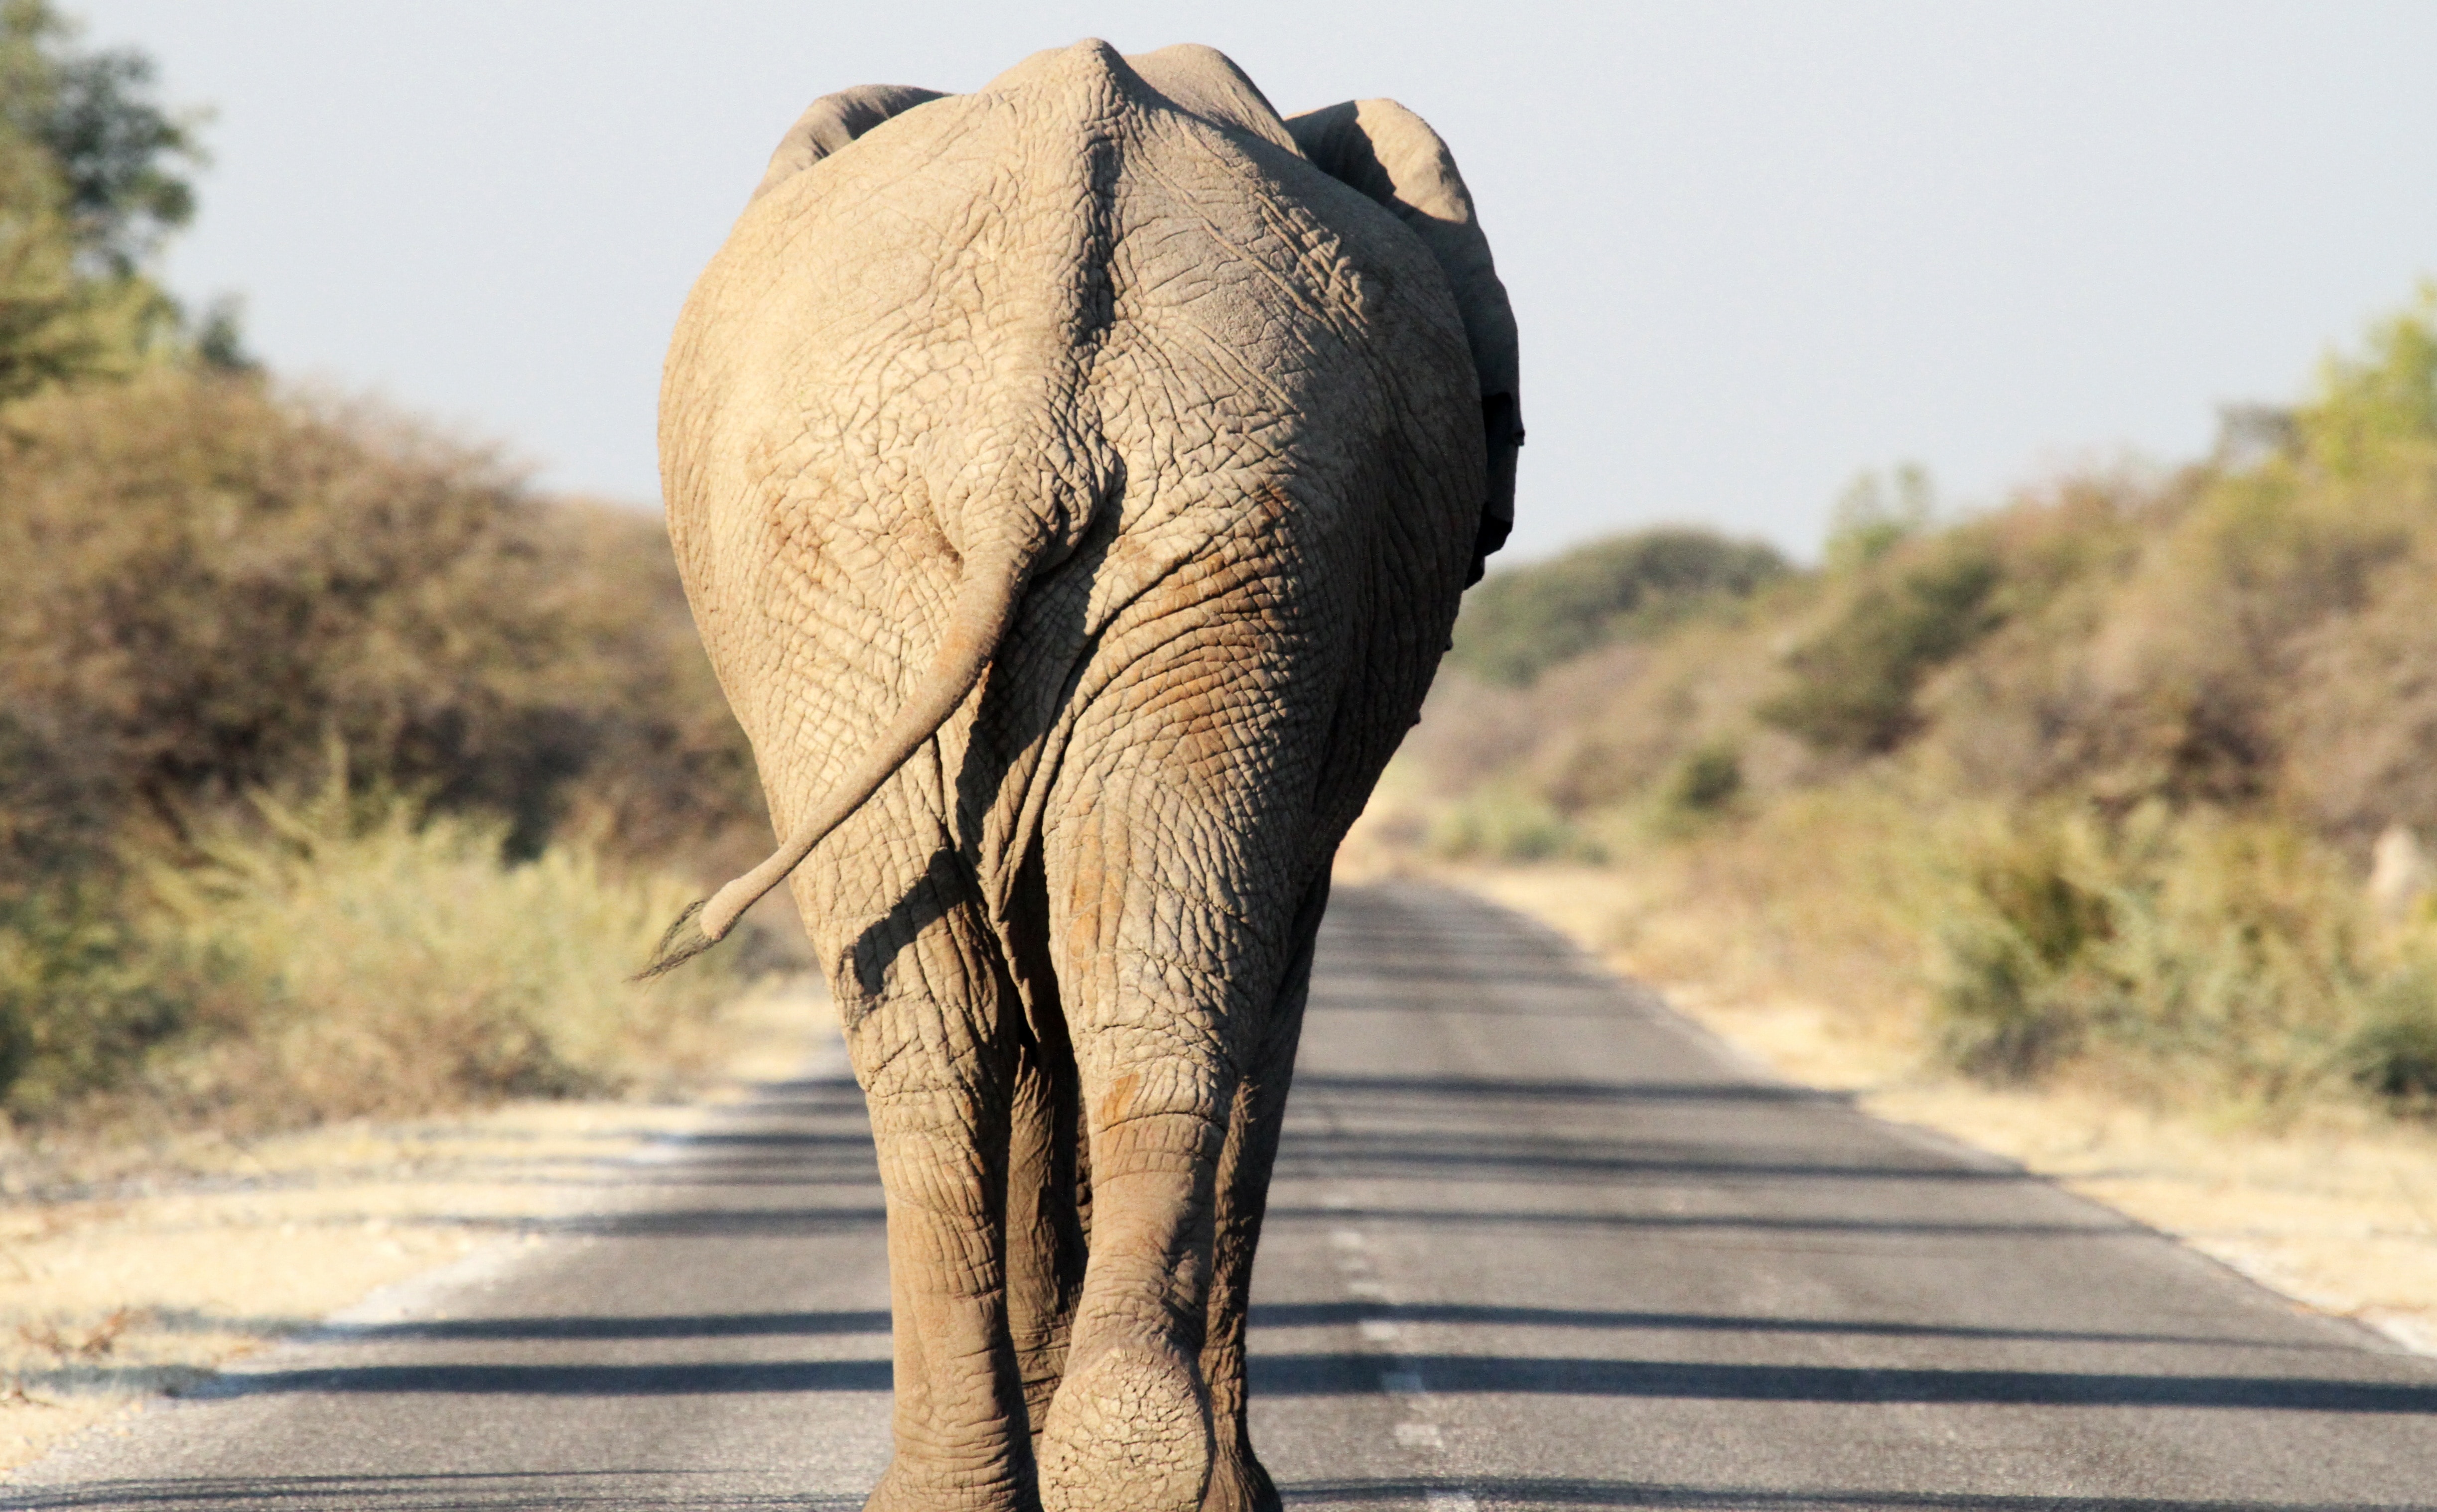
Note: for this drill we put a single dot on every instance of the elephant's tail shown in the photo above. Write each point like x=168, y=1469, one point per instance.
x=986, y=602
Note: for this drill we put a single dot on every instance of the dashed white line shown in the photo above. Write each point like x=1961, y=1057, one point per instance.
x=1415, y=1431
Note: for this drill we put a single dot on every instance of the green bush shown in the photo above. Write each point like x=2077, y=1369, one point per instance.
x=1523, y=620
x=1705, y=781
x=2393, y=1055
x=81, y=1001
x=2199, y=953
x=2020, y=985
x=1698, y=787
x=2004, y=1015
x=1508, y=825
x=1854, y=683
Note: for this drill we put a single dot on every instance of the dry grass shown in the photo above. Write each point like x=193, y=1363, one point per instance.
x=391, y=965
x=336, y=955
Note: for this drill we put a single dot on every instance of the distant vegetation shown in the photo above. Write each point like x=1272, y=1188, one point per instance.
x=339, y=772
x=1516, y=624
x=2092, y=783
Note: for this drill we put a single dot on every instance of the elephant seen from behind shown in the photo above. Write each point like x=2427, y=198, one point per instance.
x=1073, y=482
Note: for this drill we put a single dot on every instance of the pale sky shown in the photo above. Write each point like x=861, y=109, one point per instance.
x=1753, y=248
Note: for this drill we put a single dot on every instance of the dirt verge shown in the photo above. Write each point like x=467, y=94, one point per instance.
x=145, y=1279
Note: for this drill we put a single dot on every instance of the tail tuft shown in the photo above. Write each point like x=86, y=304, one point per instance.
x=684, y=941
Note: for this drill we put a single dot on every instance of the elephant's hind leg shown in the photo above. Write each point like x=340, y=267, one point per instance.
x=934, y=1043
x=1130, y=1425
x=1169, y=976
x=1048, y=1203
x=1237, y=1481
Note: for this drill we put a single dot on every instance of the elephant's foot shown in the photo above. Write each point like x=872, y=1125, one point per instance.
x=1128, y=1433
x=1239, y=1484
x=903, y=1489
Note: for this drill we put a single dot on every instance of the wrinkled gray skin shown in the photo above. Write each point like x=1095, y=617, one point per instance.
x=1073, y=482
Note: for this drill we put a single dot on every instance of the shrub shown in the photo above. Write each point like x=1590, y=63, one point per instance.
x=1876, y=515
x=2378, y=410
x=1703, y=784
x=1854, y=681
x=2018, y=985
x=1523, y=620
x=1503, y=824
x=1705, y=781
x=205, y=581
x=2199, y=953
x=371, y=963
x=80, y=1000
x=333, y=956
x=2106, y=762
x=201, y=581
x=2393, y=1055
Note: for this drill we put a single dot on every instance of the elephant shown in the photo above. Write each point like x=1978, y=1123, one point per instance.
x=1074, y=483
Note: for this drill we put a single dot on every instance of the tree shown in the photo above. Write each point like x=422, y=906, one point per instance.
x=92, y=182
x=1524, y=619
x=1874, y=515
x=2378, y=409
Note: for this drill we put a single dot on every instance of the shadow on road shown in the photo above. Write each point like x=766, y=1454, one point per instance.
x=1323, y=1375
x=473, y=1491
x=1515, y=1492
x=1592, y=1093
x=1324, y=1315
x=676, y=1326
x=1441, y=1217
x=1335, y=1375
x=666, y=1489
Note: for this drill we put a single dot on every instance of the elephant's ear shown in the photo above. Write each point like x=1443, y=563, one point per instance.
x=1393, y=156
x=832, y=122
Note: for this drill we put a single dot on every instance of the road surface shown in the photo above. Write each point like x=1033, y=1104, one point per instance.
x=1535, y=1241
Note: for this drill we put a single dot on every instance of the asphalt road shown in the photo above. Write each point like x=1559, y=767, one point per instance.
x=1534, y=1242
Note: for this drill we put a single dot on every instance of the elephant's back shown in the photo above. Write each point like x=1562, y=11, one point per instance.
x=1270, y=370
x=879, y=303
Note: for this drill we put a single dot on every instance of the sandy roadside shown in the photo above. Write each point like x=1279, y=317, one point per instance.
x=2341, y=1219
x=118, y=1294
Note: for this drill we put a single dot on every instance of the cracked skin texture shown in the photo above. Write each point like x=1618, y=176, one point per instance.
x=1196, y=421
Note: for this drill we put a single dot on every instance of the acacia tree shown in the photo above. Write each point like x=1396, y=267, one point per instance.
x=93, y=180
